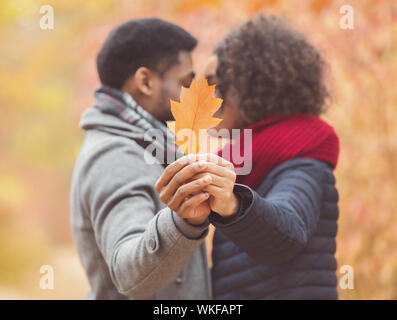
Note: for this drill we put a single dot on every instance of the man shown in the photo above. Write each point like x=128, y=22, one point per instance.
x=131, y=245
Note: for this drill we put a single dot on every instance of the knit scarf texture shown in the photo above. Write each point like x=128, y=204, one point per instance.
x=280, y=138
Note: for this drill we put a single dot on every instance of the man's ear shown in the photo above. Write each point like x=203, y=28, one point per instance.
x=144, y=81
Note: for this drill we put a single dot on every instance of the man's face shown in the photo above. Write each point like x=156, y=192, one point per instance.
x=179, y=75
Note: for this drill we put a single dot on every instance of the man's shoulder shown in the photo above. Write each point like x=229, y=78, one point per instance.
x=100, y=144
x=101, y=141
x=107, y=154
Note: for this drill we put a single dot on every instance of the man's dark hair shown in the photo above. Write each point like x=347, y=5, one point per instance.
x=148, y=42
x=273, y=68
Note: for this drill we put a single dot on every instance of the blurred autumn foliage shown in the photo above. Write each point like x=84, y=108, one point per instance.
x=47, y=79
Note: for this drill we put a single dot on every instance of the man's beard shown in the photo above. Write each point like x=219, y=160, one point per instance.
x=164, y=106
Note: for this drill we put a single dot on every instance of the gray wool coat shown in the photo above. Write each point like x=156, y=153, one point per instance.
x=130, y=244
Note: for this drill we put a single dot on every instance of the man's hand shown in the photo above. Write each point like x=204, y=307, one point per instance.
x=187, y=177
x=186, y=198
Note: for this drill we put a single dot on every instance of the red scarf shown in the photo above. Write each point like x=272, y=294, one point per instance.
x=279, y=138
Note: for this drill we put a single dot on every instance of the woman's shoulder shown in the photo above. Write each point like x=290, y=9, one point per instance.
x=297, y=168
x=301, y=164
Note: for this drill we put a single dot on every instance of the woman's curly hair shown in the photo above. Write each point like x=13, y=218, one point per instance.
x=274, y=69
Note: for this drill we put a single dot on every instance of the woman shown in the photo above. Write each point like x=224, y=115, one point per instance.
x=272, y=81
x=275, y=227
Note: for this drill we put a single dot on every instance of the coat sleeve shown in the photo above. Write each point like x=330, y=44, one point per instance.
x=144, y=246
x=275, y=227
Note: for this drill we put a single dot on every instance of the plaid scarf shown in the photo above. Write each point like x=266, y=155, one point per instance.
x=120, y=104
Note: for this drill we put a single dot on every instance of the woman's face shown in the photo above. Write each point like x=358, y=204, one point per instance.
x=229, y=111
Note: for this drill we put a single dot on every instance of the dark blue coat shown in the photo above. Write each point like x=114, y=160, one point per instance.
x=281, y=244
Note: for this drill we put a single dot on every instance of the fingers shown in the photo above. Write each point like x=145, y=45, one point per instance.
x=215, y=179
x=215, y=170
x=194, y=187
x=171, y=169
x=180, y=178
x=191, y=203
x=217, y=192
x=187, y=170
x=214, y=159
x=176, y=166
x=223, y=172
x=222, y=176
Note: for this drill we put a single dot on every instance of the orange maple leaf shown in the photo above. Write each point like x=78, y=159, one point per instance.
x=194, y=112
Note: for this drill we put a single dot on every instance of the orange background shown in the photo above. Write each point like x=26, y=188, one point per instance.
x=47, y=79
